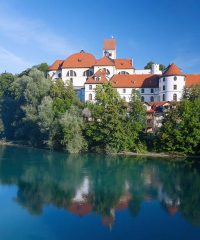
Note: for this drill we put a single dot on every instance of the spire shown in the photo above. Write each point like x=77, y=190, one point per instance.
x=172, y=70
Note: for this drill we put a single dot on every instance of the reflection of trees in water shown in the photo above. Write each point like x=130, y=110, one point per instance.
x=85, y=183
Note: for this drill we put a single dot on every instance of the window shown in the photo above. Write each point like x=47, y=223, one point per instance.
x=152, y=90
x=90, y=96
x=124, y=90
x=107, y=71
x=175, y=97
x=59, y=75
x=175, y=87
x=123, y=73
x=152, y=99
x=142, y=99
x=175, y=78
x=87, y=73
x=90, y=87
x=142, y=90
x=124, y=98
x=163, y=87
x=71, y=73
x=71, y=80
x=163, y=79
x=163, y=97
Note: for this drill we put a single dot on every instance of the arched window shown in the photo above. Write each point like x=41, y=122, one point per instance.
x=142, y=99
x=175, y=97
x=71, y=73
x=87, y=73
x=123, y=73
x=152, y=99
x=107, y=71
x=163, y=97
x=90, y=97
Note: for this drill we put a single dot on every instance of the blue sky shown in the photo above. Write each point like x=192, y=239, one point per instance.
x=164, y=31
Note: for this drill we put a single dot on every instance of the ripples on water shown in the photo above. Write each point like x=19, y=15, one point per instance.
x=50, y=195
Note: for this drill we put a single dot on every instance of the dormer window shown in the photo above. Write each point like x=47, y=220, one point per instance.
x=97, y=78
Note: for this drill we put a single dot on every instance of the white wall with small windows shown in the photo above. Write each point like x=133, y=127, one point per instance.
x=77, y=76
x=171, y=88
x=147, y=94
x=90, y=92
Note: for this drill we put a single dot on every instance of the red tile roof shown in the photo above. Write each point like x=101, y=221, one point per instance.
x=56, y=65
x=192, y=79
x=172, y=70
x=135, y=81
x=105, y=61
x=109, y=44
x=101, y=74
x=123, y=63
x=157, y=104
x=79, y=60
x=80, y=209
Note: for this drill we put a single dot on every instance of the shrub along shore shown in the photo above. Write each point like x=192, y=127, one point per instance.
x=38, y=112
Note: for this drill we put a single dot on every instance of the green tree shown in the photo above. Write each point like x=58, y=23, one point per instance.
x=109, y=114
x=149, y=66
x=136, y=120
x=181, y=128
x=72, y=125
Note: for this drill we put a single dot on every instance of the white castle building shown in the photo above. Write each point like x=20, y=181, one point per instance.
x=86, y=72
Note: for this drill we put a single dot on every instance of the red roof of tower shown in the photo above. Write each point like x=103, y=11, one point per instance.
x=172, y=70
x=109, y=44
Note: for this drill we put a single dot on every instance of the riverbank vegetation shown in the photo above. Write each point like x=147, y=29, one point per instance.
x=44, y=113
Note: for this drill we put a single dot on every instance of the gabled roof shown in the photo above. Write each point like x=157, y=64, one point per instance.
x=105, y=61
x=172, y=70
x=109, y=44
x=79, y=60
x=97, y=78
x=57, y=65
x=192, y=79
x=121, y=63
x=135, y=81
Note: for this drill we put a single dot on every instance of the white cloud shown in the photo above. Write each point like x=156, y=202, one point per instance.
x=35, y=32
x=10, y=62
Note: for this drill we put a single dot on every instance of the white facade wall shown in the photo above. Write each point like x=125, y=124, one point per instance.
x=130, y=71
x=55, y=74
x=169, y=82
x=89, y=91
x=125, y=93
x=142, y=71
x=111, y=69
x=112, y=53
x=79, y=80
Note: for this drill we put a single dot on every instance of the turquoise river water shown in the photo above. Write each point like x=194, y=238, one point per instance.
x=51, y=195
